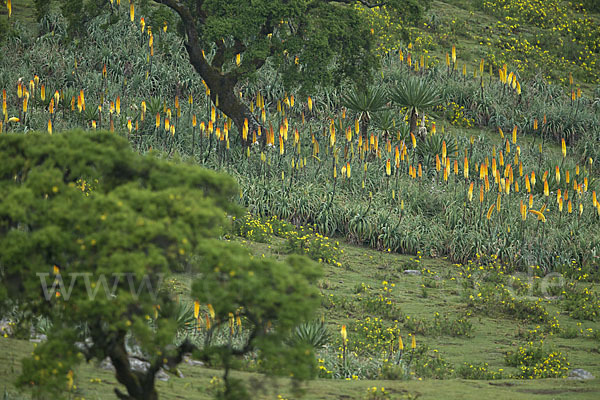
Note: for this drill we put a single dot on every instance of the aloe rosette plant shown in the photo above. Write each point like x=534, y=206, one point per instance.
x=417, y=95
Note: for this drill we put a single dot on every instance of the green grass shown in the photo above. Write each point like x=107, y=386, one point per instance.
x=95, y=384
x=492, y=337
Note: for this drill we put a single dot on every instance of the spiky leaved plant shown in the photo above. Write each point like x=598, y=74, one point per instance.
x=417, y=95
x=364, y=102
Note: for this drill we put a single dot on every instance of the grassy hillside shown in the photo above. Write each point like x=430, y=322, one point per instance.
x=353, y=293
x=494, y=204
x=546, y=38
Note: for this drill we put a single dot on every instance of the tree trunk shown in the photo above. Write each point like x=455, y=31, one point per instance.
x=220, y=84
x=364, y=127
x=413, y=121
x=139, y=385
x=230, y=104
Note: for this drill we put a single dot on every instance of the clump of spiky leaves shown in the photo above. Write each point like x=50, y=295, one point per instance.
x=313, y=333
x=417, y=95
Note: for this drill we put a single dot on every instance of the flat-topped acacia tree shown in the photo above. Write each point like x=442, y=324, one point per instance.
x=309, y=43
x=83, y=211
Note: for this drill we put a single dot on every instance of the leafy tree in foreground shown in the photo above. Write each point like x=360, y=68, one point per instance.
x=91, y=258
x=310, y=43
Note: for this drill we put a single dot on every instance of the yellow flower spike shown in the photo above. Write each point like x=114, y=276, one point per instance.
x=50, y=126
x=413, y=344
x=546, y=189
x=344, y=333
x=514, y=135
x=540, y=216
x=56, y=270
x=211, y=311
x=560, y=205
x=454, y=54
x=196, y=309
x=570, y=207
x=557, y=173
x=400, y=343
x=70, y=373
x=444, y=150
x=563, y=148
x=470, y=192
x=466, y=168
x=9, y=6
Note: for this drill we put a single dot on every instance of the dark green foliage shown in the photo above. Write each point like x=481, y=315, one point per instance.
x=77, y=13
x=42, y=8
x=591, y=5
x=113, y=244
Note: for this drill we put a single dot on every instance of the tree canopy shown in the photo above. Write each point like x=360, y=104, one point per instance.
x=89, y=230
x=310, y=43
